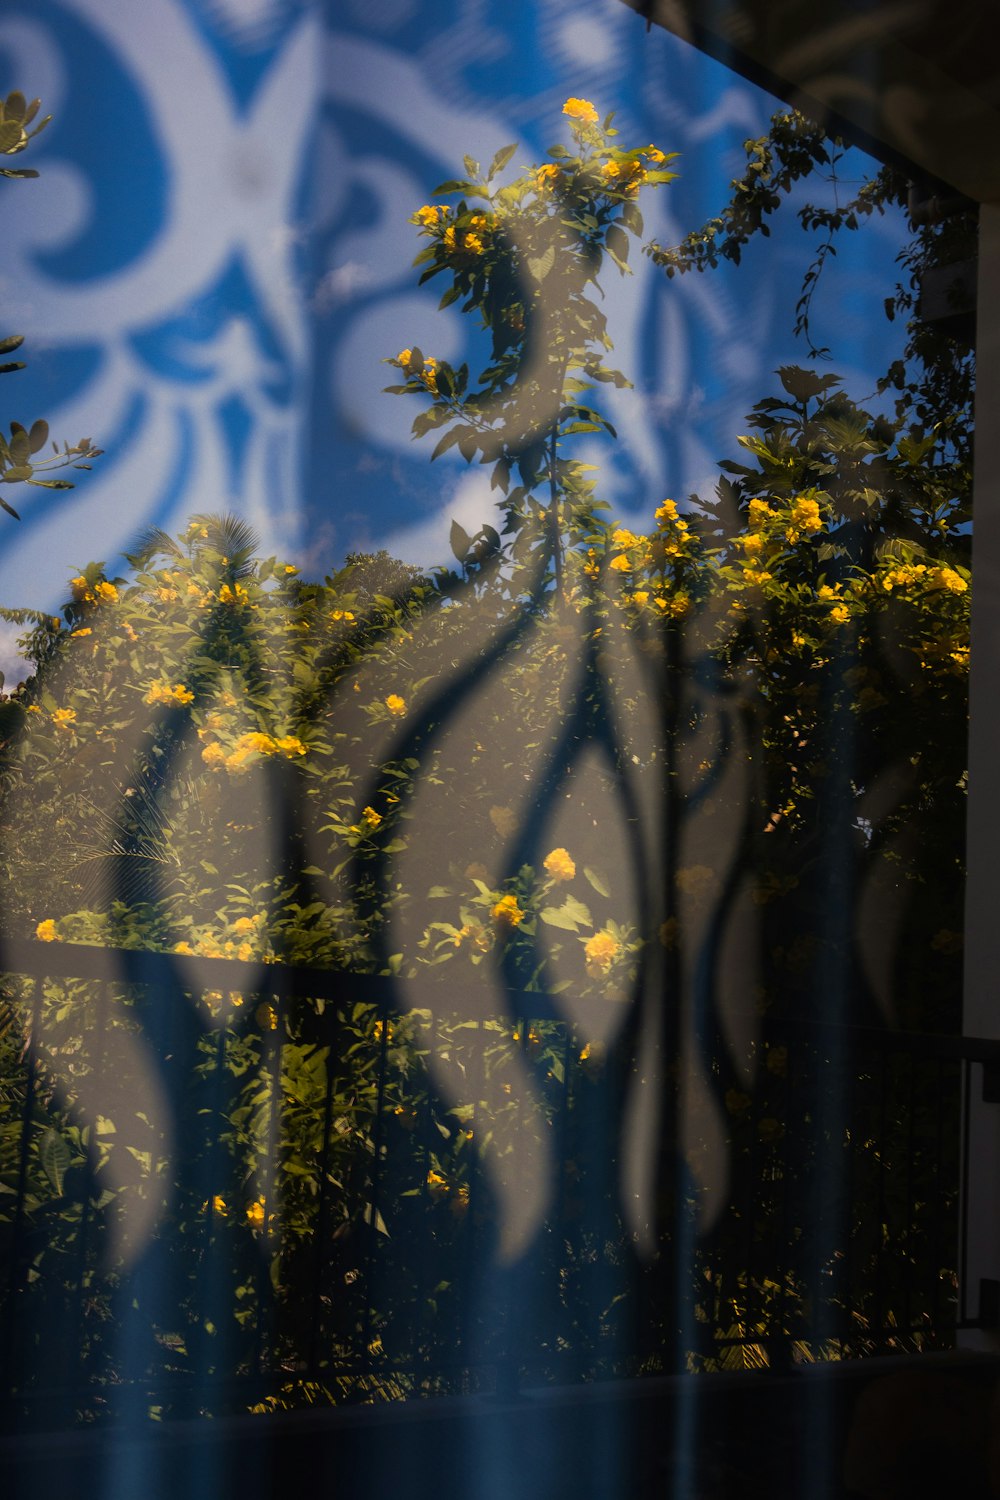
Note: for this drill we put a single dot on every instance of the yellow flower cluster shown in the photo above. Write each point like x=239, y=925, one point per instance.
x=234, y=594
x=370, y=819
x=805, y=519
x=948, y=579
x=63, y=718
x=695, y=881
x=624, y=176
x=165, y=692
x=345, y=615
x=760, y=514
x=106, y=592
x=547, y=177
x=582, y=110
x=437, y=1185
x=255, y=1214
x=903, y=577
x=429, y=216
x=396, y=705
x=559, y=865
x=600, y=952
x=475, y=935
x=254, y=742
x=45, y=932
x=507, y=912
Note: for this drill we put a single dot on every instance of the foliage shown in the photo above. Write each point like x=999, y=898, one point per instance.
x=18, y=461
x=524, y=257
x=219, y=760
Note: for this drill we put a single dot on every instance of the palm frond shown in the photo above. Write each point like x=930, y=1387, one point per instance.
x=151, y=542
x=233, y=537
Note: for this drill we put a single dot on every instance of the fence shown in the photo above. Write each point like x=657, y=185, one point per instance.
x=225, y=1187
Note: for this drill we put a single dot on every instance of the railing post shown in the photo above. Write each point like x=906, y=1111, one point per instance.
x=980, y=1219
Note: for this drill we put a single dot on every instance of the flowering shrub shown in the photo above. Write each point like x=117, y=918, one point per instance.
x=562, y=768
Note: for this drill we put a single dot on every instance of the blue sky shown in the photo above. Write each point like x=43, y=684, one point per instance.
x=217, y=258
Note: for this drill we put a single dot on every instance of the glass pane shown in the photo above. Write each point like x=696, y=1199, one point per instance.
x=485, y=732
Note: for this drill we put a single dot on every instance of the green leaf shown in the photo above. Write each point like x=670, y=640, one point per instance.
x=557, y=916
x=541, y=265
x=53, y=1153
x=499, y=161
x=454, y=185
x=597, y=880
x=460, y=541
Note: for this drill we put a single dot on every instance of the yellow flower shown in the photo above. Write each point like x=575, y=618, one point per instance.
x=580, y=109
x=669, y=932
x=290, y=570
x=752, y=543
x=266, y=1017
x=244, y=952
x=666, y=512
x=403, y=358
x=396, y=705
x=384, y=1029
x=560, y=865
x=219, y=1206
x=473, y=244
x=448, y=238
x=655, y=155
x=342, y=614
x=504, y=821
x=255, y=1214
x=429, y=215
x=63, y=718
x=437, y=1185
x=166, y=596
x=235, y=595
x=429, y=374
x=214, y=755
x=695, y=881
x=85, y=631
x=45, y=932
x=183, y=948
x=760, y=514
x=600, y=952
x=255, y=740
x=622, y=537
x=947, y=578
x=107, y=592
x=611, y=170
x=640, y=596
x=80, y=588
x=840, y=614
x=621, y=564
x=546, y=177
x=507, y=912
x=371, y=818
x=290, y=745
x=243, y=924
x=164, y=692
x=806, y=515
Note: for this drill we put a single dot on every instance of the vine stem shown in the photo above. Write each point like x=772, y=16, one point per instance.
x=554, y=512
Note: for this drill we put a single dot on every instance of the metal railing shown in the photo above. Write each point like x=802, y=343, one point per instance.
x=226, y=1186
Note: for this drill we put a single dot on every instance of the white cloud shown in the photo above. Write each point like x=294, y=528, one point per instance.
x=472, y=504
